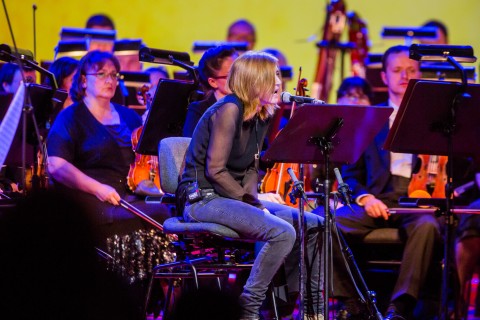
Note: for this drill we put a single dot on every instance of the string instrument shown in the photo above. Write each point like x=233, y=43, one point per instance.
x=332, y=31
x=143, y=176
x=431, y=179
x=277, y=179
x=358, y=34
x=36, y=177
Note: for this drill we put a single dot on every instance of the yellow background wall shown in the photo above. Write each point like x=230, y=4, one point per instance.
x=282, y=24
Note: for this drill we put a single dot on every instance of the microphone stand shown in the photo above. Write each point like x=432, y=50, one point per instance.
x=326, y=146
x=297, y=192
x=367, y=296
x=6, y=51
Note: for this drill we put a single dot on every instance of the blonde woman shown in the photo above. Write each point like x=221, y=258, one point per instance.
x=222, y=162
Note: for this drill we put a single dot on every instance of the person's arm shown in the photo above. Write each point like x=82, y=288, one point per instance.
x=355, y=176
x=223, y=127
x=69, y=175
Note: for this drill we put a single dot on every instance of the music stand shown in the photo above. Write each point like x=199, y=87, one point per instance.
x=45, y=102
x=166, y=116
x=445, y=115
x=320, y=134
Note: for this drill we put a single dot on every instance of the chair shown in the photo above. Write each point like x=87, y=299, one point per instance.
x=206, y=250
x=380, y=255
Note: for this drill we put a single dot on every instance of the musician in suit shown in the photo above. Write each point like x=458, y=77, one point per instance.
x=377, y=180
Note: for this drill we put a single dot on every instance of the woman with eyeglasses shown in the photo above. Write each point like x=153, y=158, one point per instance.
x=90, y=151
x=213, y=69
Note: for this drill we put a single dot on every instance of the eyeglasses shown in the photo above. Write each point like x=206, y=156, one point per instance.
x=220, y=77
x=115, y=76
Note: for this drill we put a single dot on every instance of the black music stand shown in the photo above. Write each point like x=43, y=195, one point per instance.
x=446, y=116
x=166, y=115
x=320, y=134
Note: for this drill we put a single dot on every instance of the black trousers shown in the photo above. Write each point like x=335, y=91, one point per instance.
x=419, y=232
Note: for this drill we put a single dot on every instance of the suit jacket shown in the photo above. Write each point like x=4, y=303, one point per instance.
x=371, y=173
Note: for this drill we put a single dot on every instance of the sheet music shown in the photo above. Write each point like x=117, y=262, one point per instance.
x=9, y=124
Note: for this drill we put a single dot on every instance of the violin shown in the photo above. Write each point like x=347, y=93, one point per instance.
x=143, y=177
x=332, y=31
x=431, y=179
x=277, y=179
x=358, y=34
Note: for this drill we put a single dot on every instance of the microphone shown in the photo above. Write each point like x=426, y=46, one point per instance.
x=287, y=98
x=296, y=183
x=343, y=188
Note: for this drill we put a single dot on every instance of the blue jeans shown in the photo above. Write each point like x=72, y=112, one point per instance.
x=278, y=231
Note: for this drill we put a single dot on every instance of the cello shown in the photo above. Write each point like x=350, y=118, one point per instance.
x=143, y=177
x=277, y=179
x=332, y=31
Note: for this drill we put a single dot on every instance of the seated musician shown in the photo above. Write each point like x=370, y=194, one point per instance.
x=63, y=70
x=90, y=150
x=11, y=175
x=221, y=160
x=242, y=31
x=377, y=180
x=213, y=68
x=467, y=249
x=10, y=77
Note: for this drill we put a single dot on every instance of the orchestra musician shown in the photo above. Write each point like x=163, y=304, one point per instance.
x=100, y=21
x=63, y=70
x=242, y=31
x=220, y=181
x=467, y=251
x=10, y=80
x=213, y=69
x=10, y=77
x=90, y=151
x=377, y=180
x=442, y=32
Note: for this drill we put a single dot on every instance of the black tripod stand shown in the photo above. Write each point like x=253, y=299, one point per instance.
x=318, y=139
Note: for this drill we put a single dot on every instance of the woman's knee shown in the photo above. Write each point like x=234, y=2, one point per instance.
x=288, y=235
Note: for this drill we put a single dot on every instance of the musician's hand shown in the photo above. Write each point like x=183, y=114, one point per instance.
x=107, y=194
x=272, y=197
x=374, y=207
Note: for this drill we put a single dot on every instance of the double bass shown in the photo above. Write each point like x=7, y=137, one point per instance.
x=332, y=31
x=277, y=179
x=358, y=35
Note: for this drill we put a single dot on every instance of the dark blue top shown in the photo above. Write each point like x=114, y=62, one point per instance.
x=101, y=152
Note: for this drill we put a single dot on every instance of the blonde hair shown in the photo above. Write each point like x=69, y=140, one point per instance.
x=251, y=77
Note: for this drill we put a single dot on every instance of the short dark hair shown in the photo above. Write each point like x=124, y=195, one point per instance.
x=393, y=50
x=7, y=73
x=92, y=60
x=160, y=69
x=211, y=63
x=100, y=20
x=62, y=68
x=437, y=24
x=355, y=82
x=242, y=22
